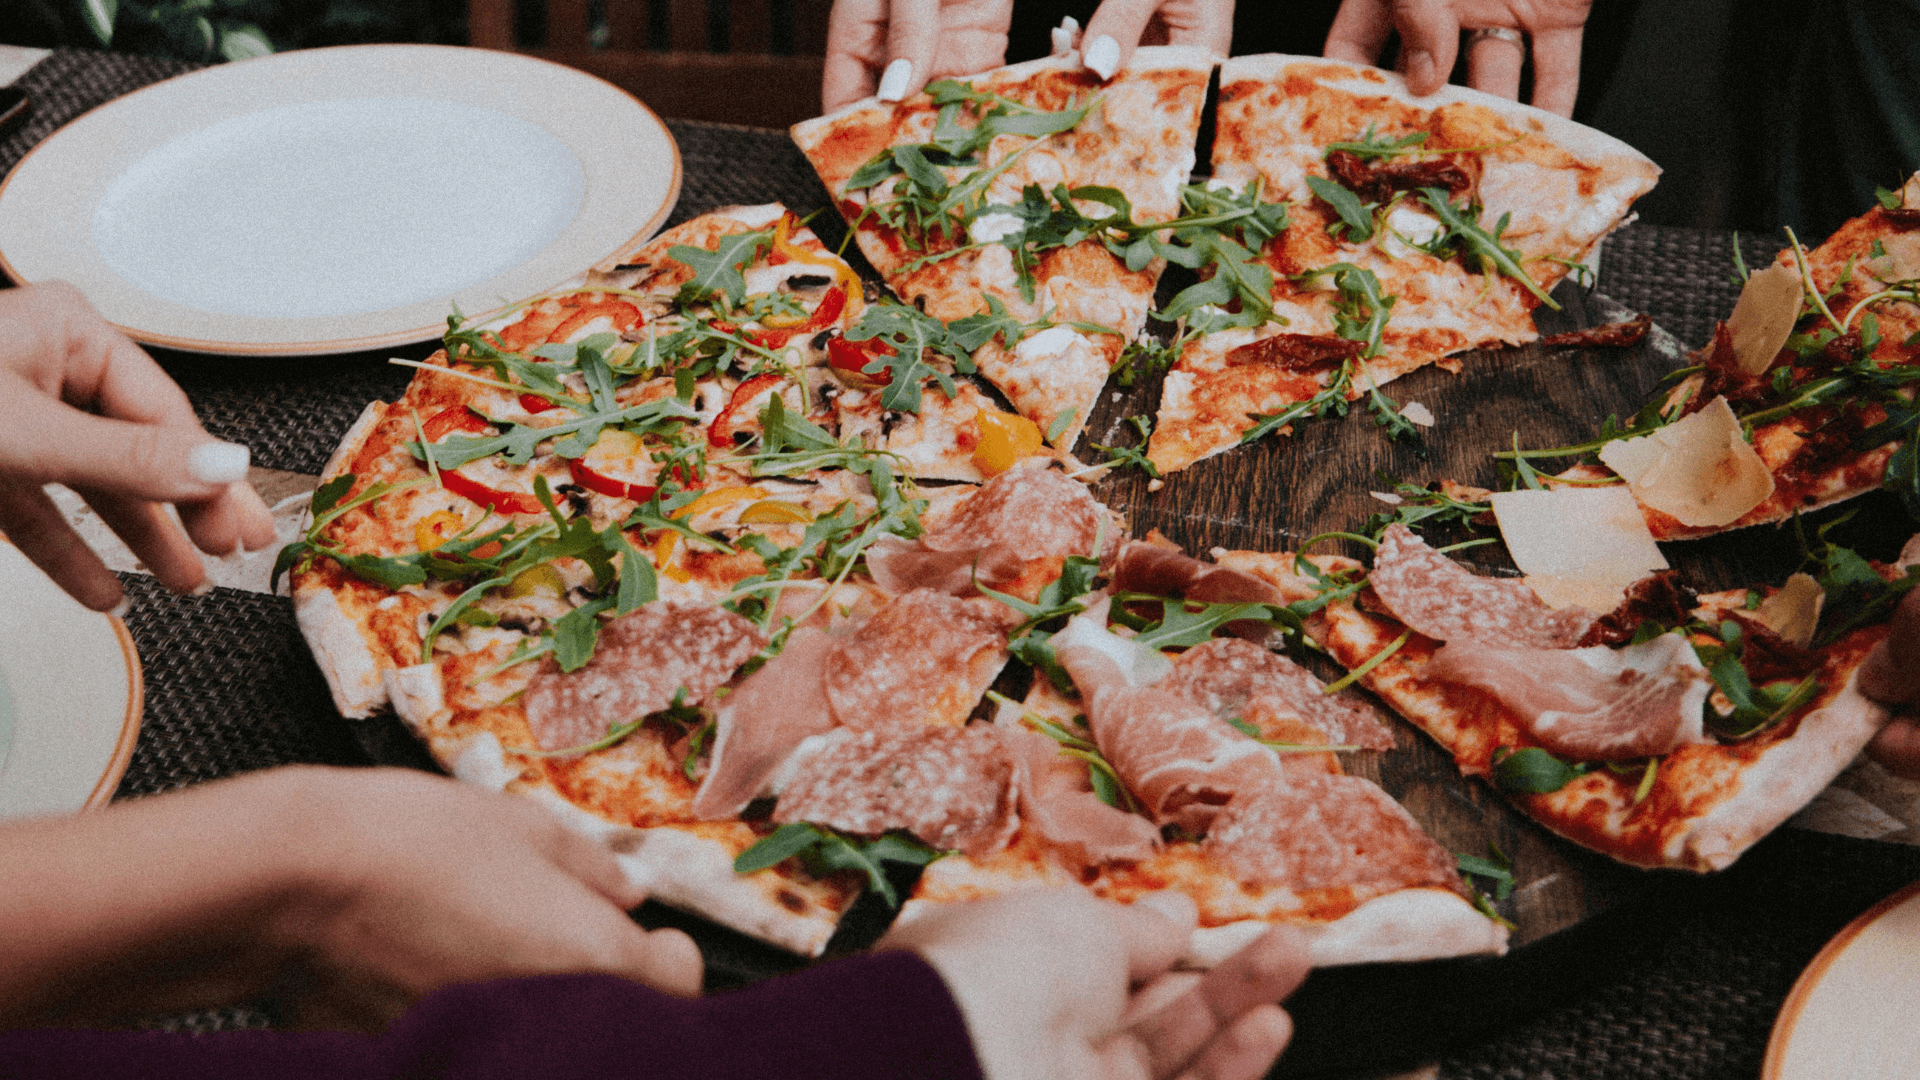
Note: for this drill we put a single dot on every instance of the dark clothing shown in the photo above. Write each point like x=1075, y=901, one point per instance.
x=877, y=1017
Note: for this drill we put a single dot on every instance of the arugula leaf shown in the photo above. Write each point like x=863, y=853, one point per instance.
x=1463, y=230
x=518, y=442
x=1185, y=623
x=825, y=850
x=1136, y=456
x=1533, y=771
x=1420, y=505
x=1356, y=217
x=576, y=632
x=1495, y=867
x=716, y=273
x=1371, y=147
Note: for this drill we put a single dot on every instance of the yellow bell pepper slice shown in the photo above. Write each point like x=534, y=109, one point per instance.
x=717, y=498
x=1005, y=438
x=843, y=274
x=775, y=512
x=437, y=528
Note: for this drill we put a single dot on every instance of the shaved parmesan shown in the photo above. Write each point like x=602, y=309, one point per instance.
x=1387, y=497
x=1577, y=545
x=1901, y=261
x=1416, y=413
x=1701, y=470
x=1794, y=611
x=1763, y=318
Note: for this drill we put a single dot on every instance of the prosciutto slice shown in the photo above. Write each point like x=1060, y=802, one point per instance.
x=1167, y=571
x=950, y=787
x=1175, y=755
x=1024, y=514
x=642, y=660
x=1235, y=678
x=1443, y=600
x=1591, y=704
x=762, y=722
x=1320, y=831
x=1057, y=802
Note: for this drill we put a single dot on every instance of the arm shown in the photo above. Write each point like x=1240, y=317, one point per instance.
x=85, y=407
x=353, y=891
x=1430, y=42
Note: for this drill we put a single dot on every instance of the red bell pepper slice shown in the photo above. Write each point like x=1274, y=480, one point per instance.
x=584, y=475
x=534, y=403
x=721, y=432
x=503, y=502
x=831, y=305
x=457, y=418
x=853, y=358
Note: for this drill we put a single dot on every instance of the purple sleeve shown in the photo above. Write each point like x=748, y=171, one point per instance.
x=875, y=1017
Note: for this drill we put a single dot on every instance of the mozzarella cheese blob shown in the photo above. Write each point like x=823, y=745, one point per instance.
x=1701, y=470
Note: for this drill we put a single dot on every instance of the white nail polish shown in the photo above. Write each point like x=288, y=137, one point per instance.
x=205, y=588
x=1103, y=57
x=1066, y=36
x=893, y=84
x=122, y=609
x=219, y=462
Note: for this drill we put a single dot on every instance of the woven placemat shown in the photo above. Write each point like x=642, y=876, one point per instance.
x=1684, y=278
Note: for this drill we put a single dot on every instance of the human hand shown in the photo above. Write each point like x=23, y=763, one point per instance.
x=1430, y=41
x=1055, y=983
x=347, y=893
x=83, y=406
x=418, y=882
x=1891, y=676
x=916, y=41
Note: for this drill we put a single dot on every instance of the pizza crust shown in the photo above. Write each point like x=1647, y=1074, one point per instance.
x=1785, y=778
x=341, y=652
x=1412, y=924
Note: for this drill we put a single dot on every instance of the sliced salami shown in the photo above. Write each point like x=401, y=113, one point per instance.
x=926, y=657
x=1443, y=600
x=1033, y=510
x=1320, y=831
x=643, y=659
x=950, y=787
x=1235, y=678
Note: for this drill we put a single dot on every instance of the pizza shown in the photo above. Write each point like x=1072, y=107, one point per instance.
x=1029, y=192
x=1416, y=228
x=628, y=549
x=1673, y=730
x=1802, y=399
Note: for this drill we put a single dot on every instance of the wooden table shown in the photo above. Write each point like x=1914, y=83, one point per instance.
x=1618, y=973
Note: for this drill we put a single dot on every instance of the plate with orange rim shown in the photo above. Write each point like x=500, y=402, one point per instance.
x=337, y=200
x=1854, y=1014
x=70, y=696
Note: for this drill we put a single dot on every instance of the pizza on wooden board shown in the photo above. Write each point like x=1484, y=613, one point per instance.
x=1416, y=228
x=1803, y=398
x=990, y=195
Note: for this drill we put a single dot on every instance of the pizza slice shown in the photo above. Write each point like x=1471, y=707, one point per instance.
x=1026, y=194
x=1803, y=398
x=1417, y=228
x=1209, y=770
x=1669, y=731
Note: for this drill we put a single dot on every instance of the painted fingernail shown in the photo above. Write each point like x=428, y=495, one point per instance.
x=1070, y=24
x=893, y=84
x=219, y=462
x=1103, y=57
x=205, y=588
x=1066, y=35
x=122, y=609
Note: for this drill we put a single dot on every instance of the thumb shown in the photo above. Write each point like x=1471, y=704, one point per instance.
x=666, y=960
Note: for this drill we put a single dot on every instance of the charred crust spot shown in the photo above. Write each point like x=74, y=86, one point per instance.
x=792, y=901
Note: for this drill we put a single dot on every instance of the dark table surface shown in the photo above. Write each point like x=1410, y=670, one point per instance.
x=1665, y=976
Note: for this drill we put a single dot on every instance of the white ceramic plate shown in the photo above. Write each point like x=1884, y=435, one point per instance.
x=335, y=200
x=1855, y=1013
x=70, y=679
